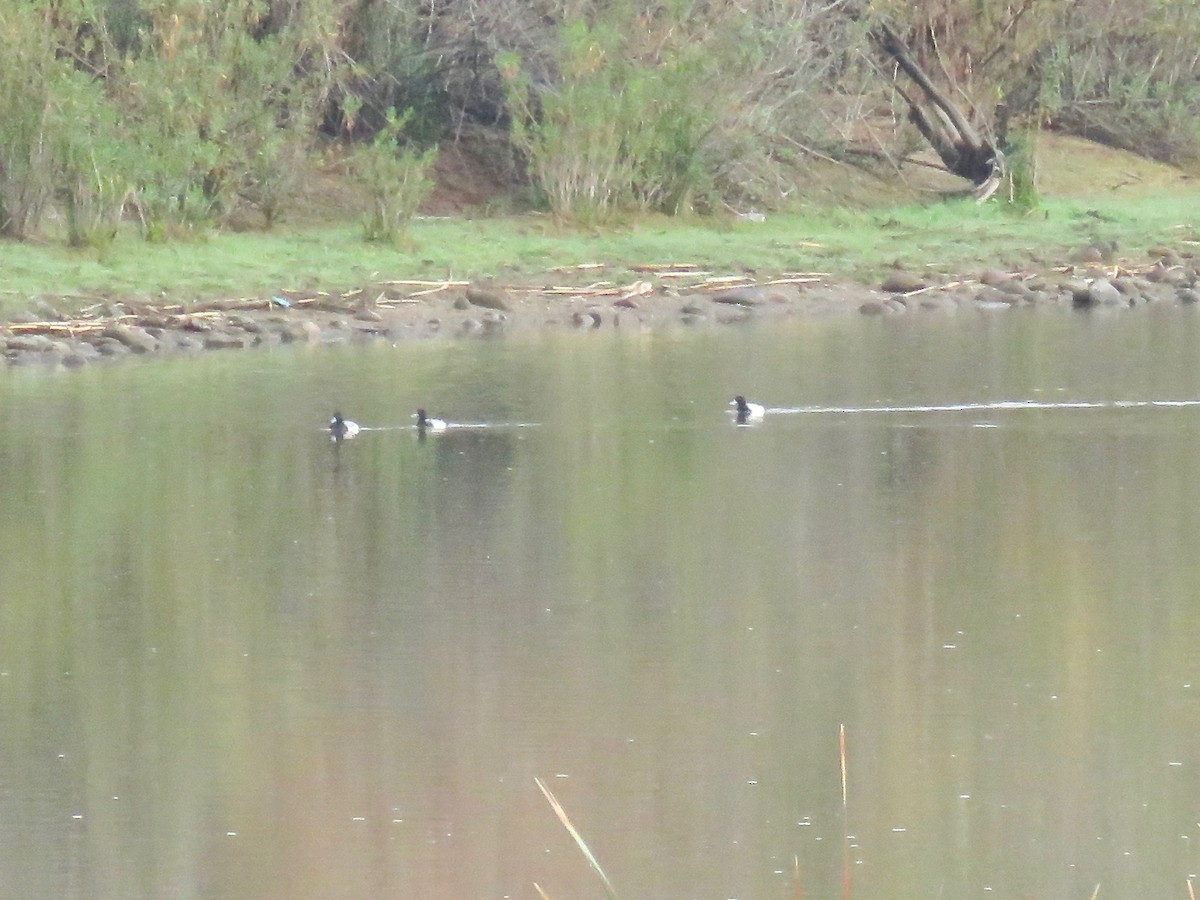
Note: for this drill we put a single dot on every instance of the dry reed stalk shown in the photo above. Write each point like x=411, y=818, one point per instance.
x=797, y=883
x=579, y=842
x=426, y=284
x=589, y=291
x=537, y=887
x=1191, y=890
x=842, y=754
x=660, y=268
x=1096, y=892
x=845, y=815
x=435, y=289
x=54, y=327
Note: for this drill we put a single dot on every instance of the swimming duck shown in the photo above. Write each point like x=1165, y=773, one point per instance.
x=425, y=423
x=341, y=429
x=747, y=412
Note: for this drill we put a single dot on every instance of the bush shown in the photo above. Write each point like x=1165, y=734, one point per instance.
x=91, y=162
x=396, y=180
x=29, y=73
x=616, y=132
x=1128, y=76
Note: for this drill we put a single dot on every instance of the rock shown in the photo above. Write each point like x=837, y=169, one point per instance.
x=462, y=303
x=1014, y=287
x=28, y=343
x=994, y=277
x=223, y=340
x=693, y=309
x=740, y=296
x=902, y=282
x=1078, y=289
x=586, y=319
x=493, y=322
x=735, y=315
x=48, y=312
x=136, y=339
x=75, y=360
x=934, y=305
x=22, y=358
x=150, y=320
x=1187, y=295
x=305, y=331
x=84, y=349
x=247, y=323
x=994, y=297
x=186, y=343
x=368, y=315
x=1103, y=292
x=626, y=303
x=1167, y=256
x=872, y=308
x=1174, y=275
x=1157, y=271
x=193, y=323
x=108, y=346
x=488, y=299
x=1101, y=251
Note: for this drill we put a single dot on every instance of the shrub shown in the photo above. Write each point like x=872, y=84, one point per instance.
x=28, y=74
x=619, y=130
x=91, y=162
x=396, y=180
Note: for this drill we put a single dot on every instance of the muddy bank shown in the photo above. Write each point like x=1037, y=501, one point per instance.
x=660, y=297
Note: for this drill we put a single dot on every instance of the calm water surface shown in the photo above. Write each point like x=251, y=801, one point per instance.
x=237, y=661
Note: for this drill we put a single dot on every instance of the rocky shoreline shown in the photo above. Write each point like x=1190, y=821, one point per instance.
x=663, y=296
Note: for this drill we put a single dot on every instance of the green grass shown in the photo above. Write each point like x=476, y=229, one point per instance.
x=953, y=236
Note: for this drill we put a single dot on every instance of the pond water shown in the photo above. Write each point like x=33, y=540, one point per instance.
x=237, y=660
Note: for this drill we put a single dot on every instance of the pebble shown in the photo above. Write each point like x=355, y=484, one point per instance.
x=901, y=282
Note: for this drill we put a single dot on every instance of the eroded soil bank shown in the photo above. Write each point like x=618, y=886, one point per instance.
x=661, y=297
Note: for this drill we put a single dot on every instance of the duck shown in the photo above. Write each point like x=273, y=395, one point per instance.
x=341, y=429
x=425, y=423
x=747, y=412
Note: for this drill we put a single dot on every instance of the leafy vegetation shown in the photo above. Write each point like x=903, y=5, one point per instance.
x=189, y=116
x=952, y=237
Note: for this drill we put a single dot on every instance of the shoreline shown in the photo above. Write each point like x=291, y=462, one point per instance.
x=661, y=297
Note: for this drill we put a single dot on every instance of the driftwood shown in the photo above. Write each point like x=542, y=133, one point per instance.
x=99, y=316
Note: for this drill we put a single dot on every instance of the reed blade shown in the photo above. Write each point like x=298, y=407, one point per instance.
x=579, y=841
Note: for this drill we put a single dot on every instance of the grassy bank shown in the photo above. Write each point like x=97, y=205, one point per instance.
x=1111, y=199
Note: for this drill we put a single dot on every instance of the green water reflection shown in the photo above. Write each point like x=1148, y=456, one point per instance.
x=238, y=661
